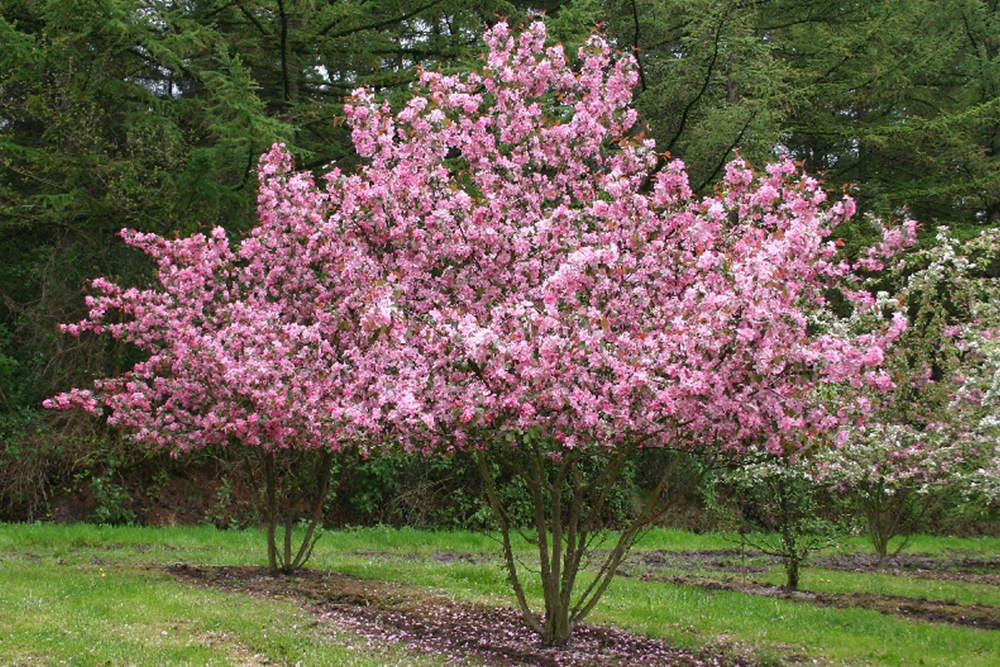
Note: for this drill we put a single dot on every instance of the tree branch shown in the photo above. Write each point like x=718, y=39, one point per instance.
x=325, y=32
x=704, y=86
x=283, y=42
x=508, y=551
x=252, y=18
x=722, y=160
x=635, y=46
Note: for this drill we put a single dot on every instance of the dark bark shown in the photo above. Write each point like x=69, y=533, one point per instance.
x=566, y=518
x=282, y=494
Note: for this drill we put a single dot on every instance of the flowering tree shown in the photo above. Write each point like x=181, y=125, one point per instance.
x=982, y=389
x=934, y=433
x=565, y=298
x=512, y=271
x=978, y=340
x=263, y=345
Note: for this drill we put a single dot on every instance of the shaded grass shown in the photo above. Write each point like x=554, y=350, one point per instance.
x=50, y=573
x=219, y=547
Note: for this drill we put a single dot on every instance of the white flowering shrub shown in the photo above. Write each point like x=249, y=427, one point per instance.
x=933, y=433
x=778, y=510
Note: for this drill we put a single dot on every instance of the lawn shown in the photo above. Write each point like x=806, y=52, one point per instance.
x=94, y=595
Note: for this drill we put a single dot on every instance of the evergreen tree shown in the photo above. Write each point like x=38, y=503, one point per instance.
x=900, y=98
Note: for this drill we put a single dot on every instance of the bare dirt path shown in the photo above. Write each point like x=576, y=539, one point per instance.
x=949, y=567
x=976, y=570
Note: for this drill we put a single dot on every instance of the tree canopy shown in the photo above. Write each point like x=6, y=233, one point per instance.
x=150, y=114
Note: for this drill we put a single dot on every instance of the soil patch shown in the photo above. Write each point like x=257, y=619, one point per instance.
x=716, y=560
x=941, y=611
x=472, y=557
x=958, y=568
x=972, y=569
x=383, y=612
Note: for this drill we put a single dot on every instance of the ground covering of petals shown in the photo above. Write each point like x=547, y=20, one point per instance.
x=381, y=613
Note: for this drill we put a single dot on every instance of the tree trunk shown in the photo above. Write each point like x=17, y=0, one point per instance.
x=271, y=511
x=789, y=538
x=279, y=509
x=792, y=574
x=563, y=531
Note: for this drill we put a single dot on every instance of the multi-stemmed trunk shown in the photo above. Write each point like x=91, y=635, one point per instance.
x=889, y=515
x=568, y=506
x=790, y=542
x=282, y=502
x=793, y=529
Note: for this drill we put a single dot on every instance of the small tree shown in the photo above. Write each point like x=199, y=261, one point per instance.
x=565, y=300
x=890, y=473
x=262, y=345
x=781, y=495
x=979, y=342
x=982, y=389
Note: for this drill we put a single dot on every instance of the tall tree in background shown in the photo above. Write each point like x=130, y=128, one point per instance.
x=901, y=98
x=904, y=101
x=709, y=83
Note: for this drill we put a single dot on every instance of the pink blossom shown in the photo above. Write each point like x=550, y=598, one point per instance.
x=873, y=356
x=558, y=282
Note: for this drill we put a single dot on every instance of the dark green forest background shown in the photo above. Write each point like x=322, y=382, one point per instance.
x=151, y=114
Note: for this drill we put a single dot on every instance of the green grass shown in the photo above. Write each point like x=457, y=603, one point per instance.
x=688, y=616
x=88, y=615
x=125, y=613
x=671, y=539
x=83, y=594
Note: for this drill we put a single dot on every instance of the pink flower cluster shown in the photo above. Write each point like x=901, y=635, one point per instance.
x=262, y=344
x=510, y=258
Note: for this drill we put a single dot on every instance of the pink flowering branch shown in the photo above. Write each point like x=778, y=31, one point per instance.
x=267, y=344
